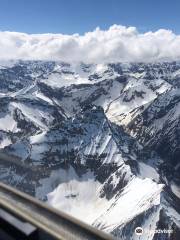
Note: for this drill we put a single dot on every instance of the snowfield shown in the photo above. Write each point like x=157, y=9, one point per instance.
x=81, y=199
x=98, y=141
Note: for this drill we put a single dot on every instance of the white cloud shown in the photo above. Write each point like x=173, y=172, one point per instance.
x=118, y=43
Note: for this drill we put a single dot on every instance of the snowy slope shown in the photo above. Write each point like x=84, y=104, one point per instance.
x=99, y=141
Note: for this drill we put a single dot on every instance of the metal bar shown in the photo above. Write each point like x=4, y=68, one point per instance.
x=15, y=228
x=54, y=222
x=24, y=227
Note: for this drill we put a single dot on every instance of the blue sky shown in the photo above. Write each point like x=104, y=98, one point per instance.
x=79, y=16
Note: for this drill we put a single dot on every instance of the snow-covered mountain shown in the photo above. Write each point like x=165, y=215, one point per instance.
x=99, y=141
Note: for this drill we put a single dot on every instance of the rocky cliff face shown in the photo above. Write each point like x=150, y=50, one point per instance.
x=99, y=141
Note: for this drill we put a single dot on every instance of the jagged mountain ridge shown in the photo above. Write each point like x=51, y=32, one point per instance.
x=83, y=126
